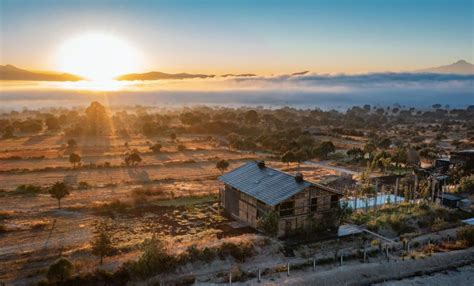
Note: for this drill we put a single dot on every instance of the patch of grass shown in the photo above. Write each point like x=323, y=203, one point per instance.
x=28, y=190
x=407, y=217
x=189, y=200
x=466, y=235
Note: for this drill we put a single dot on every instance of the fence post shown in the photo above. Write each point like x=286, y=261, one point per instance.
x=342, y=258
x=365, y=254
x=288, y=269
x=259, y=276
x=230, y=278
x=314, y=264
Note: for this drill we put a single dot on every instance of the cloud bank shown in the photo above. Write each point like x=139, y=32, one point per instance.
x=303, y=90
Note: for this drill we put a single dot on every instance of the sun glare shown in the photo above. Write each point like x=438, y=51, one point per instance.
x=97, y=56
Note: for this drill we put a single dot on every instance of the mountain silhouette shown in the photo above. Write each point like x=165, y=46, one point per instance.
x=459, y=67
x=9, y=72
x=160, y=75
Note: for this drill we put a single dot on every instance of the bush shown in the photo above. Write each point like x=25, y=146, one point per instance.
x=99, y=277
x=467, y=185
x=194, y=254
x=269, y=223
x=28, y=190
x=154, y=260
x=83, y=186
x=60, y=270
x=466, y=234
x=239, y=251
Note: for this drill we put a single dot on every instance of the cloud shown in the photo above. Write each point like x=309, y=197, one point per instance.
x=374, y=80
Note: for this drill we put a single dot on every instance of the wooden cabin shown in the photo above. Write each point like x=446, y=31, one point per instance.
x=254, y=189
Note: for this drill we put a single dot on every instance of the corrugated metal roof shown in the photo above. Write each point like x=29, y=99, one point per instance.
x=266, y=184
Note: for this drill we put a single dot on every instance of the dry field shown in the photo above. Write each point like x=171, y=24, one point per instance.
x=170, y=194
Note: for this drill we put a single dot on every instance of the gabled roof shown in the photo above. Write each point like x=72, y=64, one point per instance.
x=266, y=184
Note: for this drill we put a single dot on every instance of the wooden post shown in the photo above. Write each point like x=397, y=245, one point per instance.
x=342, y=258
x=388, y=258
x=288, y=269
x=259, y=276
x=396, y=190
x=314, y=264
x=230, y=278
x=365, y=254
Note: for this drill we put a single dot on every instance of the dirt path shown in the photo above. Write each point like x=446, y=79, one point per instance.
x=457, y=277
x=366, y=274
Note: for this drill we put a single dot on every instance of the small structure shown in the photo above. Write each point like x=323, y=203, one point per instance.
x=253, y=190
x=450, y=200
x=344, y=182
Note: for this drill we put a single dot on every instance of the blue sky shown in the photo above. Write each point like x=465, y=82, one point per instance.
x=242, y=36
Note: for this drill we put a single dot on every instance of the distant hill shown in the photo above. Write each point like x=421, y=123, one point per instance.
x=239, y=75
x=459, y=67
x=9, y=72
x=160, y=75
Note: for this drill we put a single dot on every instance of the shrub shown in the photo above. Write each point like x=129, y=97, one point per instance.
x=181, y=148
x=154, y=259
x=194, y=254
x=60, y=270
x=466, y=234
x=239, y=251
x=269, y=223
x=83, y=186
x=28, y=190
x=467, y=185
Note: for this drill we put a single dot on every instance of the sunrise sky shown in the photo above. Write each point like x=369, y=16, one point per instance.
x=238, y=36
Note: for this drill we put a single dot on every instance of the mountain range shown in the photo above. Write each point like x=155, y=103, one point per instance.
x=10, y=72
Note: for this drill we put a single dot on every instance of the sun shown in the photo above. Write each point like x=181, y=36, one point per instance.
x=97, y=56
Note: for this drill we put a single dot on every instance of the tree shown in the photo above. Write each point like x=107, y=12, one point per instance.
x=288, y=158
x=52, y=123
x=222, y=165
x=97, y=119
x=74, y=159
x=356, y=153
x=369, y=149
x=251, y=117
x=71, y=143
x=60, y=270
x=343, y=211
x=156, y=148
x=301, y=156
x=8, y=132
x=58, y=191
x=133, y=158
x=400, y=156
x=325, y=148
x=102, y=244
